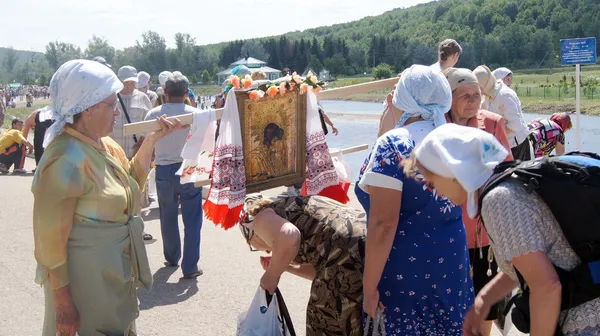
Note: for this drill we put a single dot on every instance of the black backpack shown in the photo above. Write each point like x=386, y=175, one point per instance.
x=572, y=192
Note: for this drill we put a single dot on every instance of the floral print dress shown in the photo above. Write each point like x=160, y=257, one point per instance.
x=425, y=285
x=333, y=242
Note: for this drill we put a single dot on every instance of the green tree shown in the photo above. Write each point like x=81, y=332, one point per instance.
x=58, y=53
x=205, y=58
x=10, y=59
x=336, y=64
x=205, y=77
x=99, y=46
x=215, y=71
x=43, y=80
x=382, y=71
x=314, y=64
x=152, y=52
x=130, y=56
x=357, y=58
x=253, y=48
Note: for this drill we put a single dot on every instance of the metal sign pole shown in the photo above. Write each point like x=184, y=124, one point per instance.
x=576, y=52
x=578, y=105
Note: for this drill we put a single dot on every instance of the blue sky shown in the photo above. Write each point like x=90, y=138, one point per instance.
x=36, y=22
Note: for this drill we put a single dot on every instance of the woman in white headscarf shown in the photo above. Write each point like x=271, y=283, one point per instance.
x=321, y=240
x=505, y=75
x=525, y=235
x=502, y=100
x=417, y=263
x=88, y=238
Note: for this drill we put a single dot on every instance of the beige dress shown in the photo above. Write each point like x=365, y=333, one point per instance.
x=86, y=232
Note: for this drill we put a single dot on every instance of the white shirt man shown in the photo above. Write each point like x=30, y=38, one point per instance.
x=135, y=106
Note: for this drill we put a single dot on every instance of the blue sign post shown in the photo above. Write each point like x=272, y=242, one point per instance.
x=577, y=52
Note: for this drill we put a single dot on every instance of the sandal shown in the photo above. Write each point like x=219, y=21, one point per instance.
x=147, y=236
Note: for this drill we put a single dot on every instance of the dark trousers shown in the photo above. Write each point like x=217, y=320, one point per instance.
x=38, y=137
x=13, y=156
x=38, y=141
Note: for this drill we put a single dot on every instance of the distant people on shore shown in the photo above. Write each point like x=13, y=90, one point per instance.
x=2, y=108
x=502, y=100
x=549, y=134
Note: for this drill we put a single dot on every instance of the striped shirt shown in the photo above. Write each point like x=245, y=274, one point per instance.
x=137, y=105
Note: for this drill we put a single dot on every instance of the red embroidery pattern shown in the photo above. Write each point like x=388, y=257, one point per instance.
x=229, y=176
x=320, y=171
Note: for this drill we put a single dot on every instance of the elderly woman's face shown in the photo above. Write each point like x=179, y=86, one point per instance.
x=466, y=101
x=449, y=188
x=103, y=116
x=508, y=80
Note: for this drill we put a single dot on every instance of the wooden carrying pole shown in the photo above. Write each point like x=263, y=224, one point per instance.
x=187, y=119
x=348, y=150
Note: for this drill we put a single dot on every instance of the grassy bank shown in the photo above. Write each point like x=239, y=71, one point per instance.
x=21, y=112
x=541, y=92
x=549, y=106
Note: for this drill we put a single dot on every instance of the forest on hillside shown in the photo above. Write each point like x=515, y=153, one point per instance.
x=515, y=33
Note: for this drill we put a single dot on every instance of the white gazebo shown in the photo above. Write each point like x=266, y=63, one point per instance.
x=253, y=65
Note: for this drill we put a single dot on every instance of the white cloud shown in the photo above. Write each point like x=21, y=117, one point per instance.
x=36, y=22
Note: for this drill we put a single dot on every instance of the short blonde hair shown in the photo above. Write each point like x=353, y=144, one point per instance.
x=257, y=206
x=259, y=75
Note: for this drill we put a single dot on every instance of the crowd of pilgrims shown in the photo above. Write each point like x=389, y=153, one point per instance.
x=415, y=255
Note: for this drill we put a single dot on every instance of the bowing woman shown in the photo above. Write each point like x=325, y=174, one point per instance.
x=524, y=234
x=318, y=239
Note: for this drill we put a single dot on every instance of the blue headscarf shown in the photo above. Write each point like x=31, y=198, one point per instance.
x=423, y=92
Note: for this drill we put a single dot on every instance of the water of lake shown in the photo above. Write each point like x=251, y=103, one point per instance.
x=353, y=132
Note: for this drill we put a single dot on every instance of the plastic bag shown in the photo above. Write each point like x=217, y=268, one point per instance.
x=341, y=167
x=378, y=324
x=262, y=318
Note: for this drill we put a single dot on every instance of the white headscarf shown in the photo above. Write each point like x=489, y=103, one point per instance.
x=500, y=73
x=466, y=154
x=163, y=76
x=422, y=91
x=76, y=86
